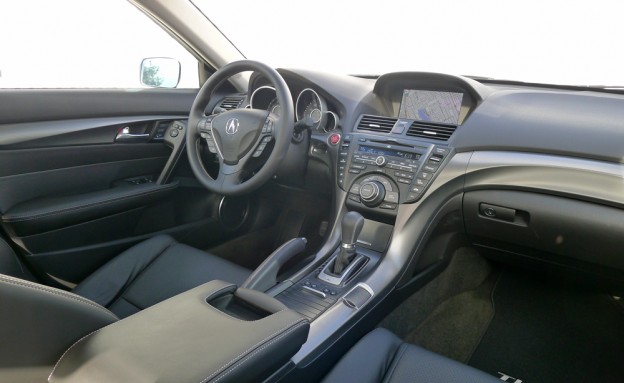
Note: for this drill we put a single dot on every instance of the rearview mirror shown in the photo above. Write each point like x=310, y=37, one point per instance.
x=160, y=72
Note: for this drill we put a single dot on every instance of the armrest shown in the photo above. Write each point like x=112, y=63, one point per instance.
x=37, y=323
x=51, y=213
x=197, y=336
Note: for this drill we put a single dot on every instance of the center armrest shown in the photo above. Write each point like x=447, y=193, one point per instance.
x=213, y=332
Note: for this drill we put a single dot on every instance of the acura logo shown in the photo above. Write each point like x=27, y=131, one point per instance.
x=232, y=126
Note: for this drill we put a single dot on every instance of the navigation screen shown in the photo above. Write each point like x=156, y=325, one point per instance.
x=431, y=106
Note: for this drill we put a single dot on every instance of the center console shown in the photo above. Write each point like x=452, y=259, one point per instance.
x=214, y=332
x=379, y=174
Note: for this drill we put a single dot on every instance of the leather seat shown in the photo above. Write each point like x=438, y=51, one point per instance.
x=382, y=357
x=153, y=271
x=38, y=323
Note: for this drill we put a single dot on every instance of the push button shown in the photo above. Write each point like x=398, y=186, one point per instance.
x=430, y=168
x=392, y=197
x=388, y=206
x=424, y=175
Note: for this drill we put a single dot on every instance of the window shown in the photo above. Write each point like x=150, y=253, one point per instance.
x=83, y=44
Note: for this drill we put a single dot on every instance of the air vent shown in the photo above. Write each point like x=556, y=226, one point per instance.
x=429, y=130
x=229, y=103
x=376, y=123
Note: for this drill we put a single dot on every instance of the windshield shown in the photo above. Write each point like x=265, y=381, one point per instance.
x=556, y=42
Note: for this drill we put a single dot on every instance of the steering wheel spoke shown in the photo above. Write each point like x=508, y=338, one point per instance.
x=204, y=127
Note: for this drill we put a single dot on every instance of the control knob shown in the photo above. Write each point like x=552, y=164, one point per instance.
x=380, y=161
x=372, y=193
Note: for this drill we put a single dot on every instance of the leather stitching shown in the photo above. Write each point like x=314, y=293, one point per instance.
x=60, y=293
x=395, y=362
x=284, y=330
x=240, y=362
x=22, y=217
x=72, y=346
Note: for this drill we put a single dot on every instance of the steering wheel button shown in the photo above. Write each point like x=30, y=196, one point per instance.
x=257, y=153
x=266, y=139
x=174, y=133
x=261, y=146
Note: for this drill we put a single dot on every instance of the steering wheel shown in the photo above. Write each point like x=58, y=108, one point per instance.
x=238, y=135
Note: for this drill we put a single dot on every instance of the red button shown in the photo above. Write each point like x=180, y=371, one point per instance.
x=334, y=139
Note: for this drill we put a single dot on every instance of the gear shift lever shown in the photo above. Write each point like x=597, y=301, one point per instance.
x=352, y=224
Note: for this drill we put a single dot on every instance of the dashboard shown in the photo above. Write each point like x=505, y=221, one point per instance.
x=517, y=160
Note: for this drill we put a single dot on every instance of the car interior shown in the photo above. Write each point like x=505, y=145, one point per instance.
x=292, y=225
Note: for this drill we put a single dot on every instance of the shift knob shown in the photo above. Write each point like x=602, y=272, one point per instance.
x=352, y=224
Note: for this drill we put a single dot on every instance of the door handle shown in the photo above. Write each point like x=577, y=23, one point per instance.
x=124, y=135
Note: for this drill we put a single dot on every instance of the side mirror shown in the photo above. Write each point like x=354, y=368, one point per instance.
x=160, y=72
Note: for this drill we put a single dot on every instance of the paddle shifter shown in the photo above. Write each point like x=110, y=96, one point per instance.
x=352, y=224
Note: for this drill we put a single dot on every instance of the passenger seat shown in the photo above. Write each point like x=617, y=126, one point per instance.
x=382, y=357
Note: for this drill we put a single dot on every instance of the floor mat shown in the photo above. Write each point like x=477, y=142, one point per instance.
x=457, y=325
x=543, y=332
x=466, y=272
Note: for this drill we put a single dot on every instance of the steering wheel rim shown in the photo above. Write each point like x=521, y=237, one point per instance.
x=234, y=149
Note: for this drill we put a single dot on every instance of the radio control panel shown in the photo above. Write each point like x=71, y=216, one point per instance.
x=381, y=174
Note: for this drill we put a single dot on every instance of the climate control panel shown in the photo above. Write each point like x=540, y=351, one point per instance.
x=382, y=174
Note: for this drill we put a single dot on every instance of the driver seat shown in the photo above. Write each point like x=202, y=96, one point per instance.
x=152, y=271
x=149, y=273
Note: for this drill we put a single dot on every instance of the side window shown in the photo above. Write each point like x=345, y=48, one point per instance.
x=87, y=44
